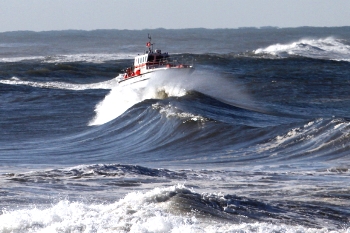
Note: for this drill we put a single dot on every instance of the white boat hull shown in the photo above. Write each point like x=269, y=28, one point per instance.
x=142, y=80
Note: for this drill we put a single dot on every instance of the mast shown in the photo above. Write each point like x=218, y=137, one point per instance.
x=149, y=44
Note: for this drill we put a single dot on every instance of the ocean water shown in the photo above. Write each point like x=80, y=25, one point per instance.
x=257, y=139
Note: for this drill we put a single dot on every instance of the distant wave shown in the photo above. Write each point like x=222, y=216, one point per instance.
x=60, y=85
x=85, y=57
x=328, y=48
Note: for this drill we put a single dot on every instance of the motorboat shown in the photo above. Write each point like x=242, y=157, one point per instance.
x=153, y=63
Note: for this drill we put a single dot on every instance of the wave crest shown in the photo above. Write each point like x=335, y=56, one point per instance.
x=327, y=48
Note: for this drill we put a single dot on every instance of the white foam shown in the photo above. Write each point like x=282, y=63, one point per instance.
x=325, y=48
x=172, y=111
x=150, y=211
x=137, y=212
x=115, y=103
x=18, y=59
x=122, y=98
x=60, y=85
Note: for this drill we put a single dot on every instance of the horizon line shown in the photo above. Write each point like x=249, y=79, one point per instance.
x=161, y=28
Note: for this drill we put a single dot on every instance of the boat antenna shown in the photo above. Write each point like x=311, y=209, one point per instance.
x=149, y=43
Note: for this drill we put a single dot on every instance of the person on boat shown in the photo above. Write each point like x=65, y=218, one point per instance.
x=128, y=73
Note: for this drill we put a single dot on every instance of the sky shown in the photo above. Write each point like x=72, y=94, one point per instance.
x=46, y=15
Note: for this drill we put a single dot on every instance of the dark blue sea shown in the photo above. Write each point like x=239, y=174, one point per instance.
x=257, y=139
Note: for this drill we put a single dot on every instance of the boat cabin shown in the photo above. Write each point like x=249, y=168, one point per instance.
x=149, y=60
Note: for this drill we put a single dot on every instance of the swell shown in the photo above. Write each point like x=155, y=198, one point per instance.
x=193, y=129
x=232, y=110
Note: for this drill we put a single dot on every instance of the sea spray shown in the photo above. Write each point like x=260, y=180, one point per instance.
x=121, y=98
x=116, y=102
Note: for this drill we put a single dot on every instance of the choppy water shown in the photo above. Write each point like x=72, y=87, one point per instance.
x=257, y=139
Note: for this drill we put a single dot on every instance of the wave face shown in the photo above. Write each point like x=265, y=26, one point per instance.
x=249, y=142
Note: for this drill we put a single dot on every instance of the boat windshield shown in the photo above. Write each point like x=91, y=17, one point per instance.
x=156, y=58
x=150, y=58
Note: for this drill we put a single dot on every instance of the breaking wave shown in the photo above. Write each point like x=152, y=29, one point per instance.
x=122, y=98
x=327, y=48
x=172, y=209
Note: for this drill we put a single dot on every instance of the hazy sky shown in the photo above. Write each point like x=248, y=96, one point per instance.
x=44, y=15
